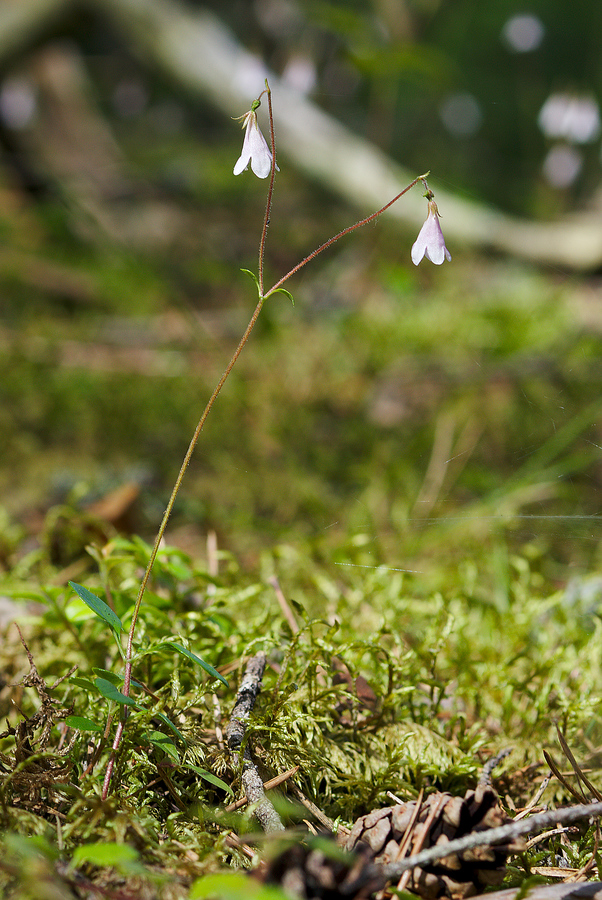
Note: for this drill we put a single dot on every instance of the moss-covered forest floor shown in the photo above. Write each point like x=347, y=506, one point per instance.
x=396, y=497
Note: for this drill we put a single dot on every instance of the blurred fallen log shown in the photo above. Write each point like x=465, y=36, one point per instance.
x=199, y=53
x=202, y=55
x=73, y=146
x=23, y=21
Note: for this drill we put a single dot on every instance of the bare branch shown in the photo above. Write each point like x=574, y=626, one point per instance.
x=251, y=780
x=590, y=891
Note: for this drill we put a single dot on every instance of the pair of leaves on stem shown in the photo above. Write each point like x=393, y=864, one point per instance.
x=104, y=611
x=269, y=294
x=108, y=683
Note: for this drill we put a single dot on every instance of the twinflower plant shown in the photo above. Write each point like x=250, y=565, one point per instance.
x=262, y=159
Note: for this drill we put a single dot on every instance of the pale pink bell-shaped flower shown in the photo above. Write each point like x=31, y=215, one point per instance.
x=254, y=149
x=430, y=241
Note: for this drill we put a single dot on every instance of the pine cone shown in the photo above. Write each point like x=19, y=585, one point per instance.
x=456, y=876
x=319, y=870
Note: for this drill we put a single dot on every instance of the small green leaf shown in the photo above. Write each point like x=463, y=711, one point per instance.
x=108, y=676
x=212, y=779
x=83, y=724
x=233, y=886
x=122, y=856
x=528, y=885
x=98, y=606
x=117, y=680
x=253, y=276
x=28, y=849
x=109, y=691
x=164, y=743
x=285, y=292
x=402, y=895
x=224, y=623
x=197, y=659
x=299, y=608
x=84, y=683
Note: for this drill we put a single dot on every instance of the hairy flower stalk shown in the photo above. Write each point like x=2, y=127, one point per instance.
x=254, y=147
x=430, y=241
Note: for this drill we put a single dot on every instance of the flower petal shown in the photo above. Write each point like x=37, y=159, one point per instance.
x=242, y=162
x=245, y=157
x=430, y=241
x=435, y=253
x=261, y=158
x=419, y=246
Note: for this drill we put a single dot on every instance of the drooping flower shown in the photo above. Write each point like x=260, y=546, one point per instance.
x=254, y=148
x=430, y=241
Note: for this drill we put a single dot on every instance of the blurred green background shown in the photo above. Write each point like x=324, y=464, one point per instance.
x=441, y=420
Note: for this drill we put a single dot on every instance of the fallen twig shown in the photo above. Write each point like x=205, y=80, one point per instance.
x=420, y=837
x=267, y=786
x=589, y=891
x=491, y=764
x=284, y=605
x=251, y=780
x=317, y=813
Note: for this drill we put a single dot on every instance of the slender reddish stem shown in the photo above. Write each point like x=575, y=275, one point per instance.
x=268, y=205
x=127, y=675
x=341, y=234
